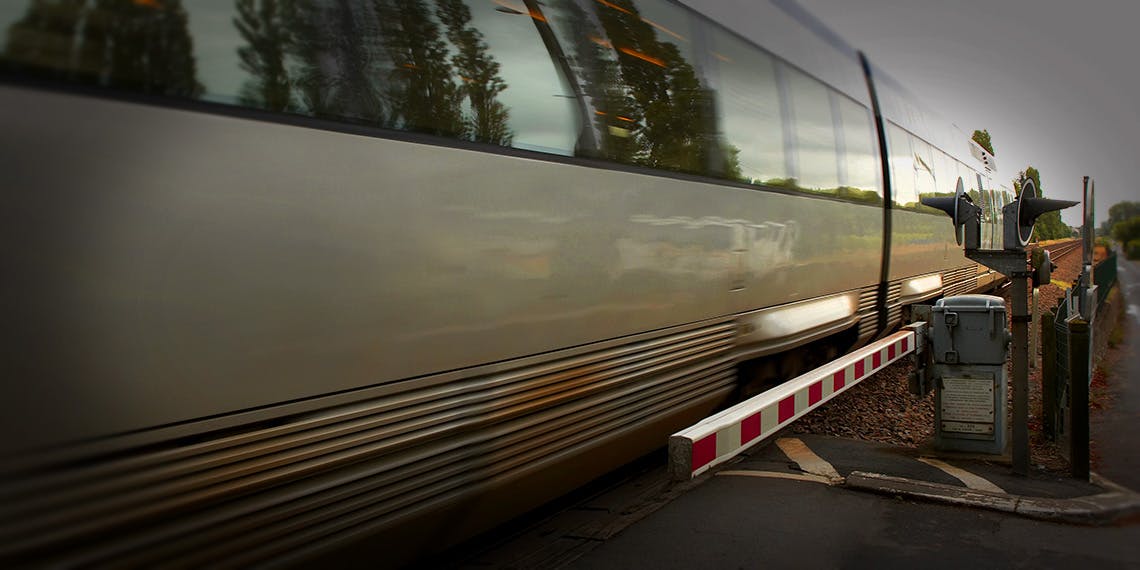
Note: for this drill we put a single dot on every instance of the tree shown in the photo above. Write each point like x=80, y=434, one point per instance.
x=1049, y=224
x=1128, y=233
x=983, y=139
x=1118, y=213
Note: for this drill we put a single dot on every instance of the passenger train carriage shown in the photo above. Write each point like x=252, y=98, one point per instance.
x=300, y=278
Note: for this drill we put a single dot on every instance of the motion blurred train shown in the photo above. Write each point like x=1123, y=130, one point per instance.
x=286, y=280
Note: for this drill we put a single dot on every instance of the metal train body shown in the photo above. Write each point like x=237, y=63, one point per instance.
x=245, y=329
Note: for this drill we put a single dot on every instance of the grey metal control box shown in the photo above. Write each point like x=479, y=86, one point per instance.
x=970, y=329
x=970, y=342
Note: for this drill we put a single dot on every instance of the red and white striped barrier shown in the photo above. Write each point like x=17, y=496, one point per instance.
x=721, y=437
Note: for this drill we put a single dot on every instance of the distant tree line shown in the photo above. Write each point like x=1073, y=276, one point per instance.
x=1123, y=224
x=1048, y=225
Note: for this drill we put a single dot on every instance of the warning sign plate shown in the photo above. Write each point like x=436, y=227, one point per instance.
x=968, y=401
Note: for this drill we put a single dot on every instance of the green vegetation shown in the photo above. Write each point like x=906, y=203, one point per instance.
x=1119, y=212
x=983, y=138
x=1127, y=232
x=1049, y=224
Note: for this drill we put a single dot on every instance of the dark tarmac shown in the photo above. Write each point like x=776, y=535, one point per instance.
x=1112, y=430
x=747, y=516
x=813, y=501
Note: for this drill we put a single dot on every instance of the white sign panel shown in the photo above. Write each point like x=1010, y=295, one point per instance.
x=968, y=405
x=963, y=427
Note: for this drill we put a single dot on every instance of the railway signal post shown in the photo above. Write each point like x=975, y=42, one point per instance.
x=1010, y=261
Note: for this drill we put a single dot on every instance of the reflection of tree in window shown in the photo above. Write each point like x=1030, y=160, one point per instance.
x=384, y=62
x=264, y=26
x=421, y=89
x=45, y=37
x=601, y=78
x=749, y=105
x=141, y=46
x=651, y=107
x=479, y=73
x=334, y=61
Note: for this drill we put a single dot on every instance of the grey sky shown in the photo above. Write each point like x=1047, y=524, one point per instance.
x=1056, y=83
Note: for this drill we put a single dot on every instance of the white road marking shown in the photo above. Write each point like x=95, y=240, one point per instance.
x=777, y=475
x=808, y=461
x=969, y=479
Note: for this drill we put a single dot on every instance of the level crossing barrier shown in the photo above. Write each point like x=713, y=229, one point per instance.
x=721, y=437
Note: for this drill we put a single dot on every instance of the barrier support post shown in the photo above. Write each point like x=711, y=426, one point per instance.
x=1048, y=375
x=1020, y=357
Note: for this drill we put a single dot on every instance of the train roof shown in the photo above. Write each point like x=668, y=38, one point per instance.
x=789, y=31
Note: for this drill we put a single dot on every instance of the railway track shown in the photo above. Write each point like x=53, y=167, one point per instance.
x=1060, y=249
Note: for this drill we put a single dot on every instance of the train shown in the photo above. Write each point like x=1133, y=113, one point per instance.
x=290, y=281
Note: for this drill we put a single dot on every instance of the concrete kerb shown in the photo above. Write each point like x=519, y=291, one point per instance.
x=1117, y=503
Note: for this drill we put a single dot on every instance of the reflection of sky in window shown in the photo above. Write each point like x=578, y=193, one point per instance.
x=815, y=133
x=670, y=24
x=902, y=165
x=858, y=143
x=542, y=114
x=749, y=105
x=216, y=41
x=10, y=13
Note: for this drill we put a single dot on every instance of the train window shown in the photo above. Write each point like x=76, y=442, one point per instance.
x=860, y=155
x=634, y=61
x=902, y=166
x=817, y=167
x=748, y=100
x=455, y=68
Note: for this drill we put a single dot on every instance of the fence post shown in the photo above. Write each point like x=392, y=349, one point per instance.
x=1079, y=384
x=1048, y=376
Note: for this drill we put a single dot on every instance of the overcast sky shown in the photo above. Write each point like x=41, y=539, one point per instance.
x=1056, y=82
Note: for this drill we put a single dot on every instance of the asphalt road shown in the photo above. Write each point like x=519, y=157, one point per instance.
x=765, y=511
x=744, y=522
x=1115, y=429
x=751, y=515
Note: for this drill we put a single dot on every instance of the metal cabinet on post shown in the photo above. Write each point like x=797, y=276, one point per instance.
x=970, y=343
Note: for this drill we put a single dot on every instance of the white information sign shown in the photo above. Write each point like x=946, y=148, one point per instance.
x=968, y=405
x=964, y=427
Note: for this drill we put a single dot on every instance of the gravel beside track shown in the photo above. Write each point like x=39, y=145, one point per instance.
x=881, y=408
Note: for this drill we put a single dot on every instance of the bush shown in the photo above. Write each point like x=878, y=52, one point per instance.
x=1127, y=231
x=1133, y=249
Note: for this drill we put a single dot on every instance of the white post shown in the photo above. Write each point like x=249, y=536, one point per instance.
x=1034, y=330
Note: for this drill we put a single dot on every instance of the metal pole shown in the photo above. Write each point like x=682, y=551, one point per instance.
x=1020, y=373
x=1079, y=384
